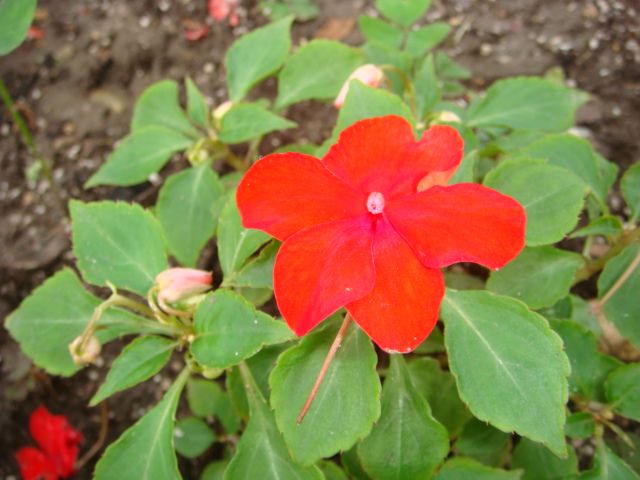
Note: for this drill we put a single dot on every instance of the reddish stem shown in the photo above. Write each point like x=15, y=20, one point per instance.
x=104, y=425
x=325, y=365
x=616, y=286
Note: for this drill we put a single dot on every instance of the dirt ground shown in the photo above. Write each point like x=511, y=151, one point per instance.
x=77, y=86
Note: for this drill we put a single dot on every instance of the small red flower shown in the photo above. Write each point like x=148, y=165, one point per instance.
x=221, y=9
x=369, y=226
x=59, y=447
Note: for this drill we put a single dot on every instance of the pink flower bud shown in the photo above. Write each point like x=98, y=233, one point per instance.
x=177, y=284
x=368, y=74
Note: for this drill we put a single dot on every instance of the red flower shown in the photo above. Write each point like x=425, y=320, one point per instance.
x=59, y=444
x=369, y=226
x=221, y=9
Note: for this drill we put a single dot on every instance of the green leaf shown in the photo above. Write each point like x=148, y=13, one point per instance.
x=497, y=341
x=406, y=442
x=461, y=468
x=207, y=399
x=608, y=172
x=517, y=139
x=261, y=366
x=197, y=107
x=316, y=70
x=185, y=211
x=626, y=452
x=192, y=437
x=434, y=343
x=527, y=103
x=303, y=10
x=256, y=56
x=139, y=155
x=607, y=466
x=140, y=360
x=539, y=276
x=158, y=107
x=552, y=197
x=602, y=226
x=248, y=120
x=351, y=463
x=107, y=242
x=346, y=404
x=331, y=470
x=580, y=425
x=447, y=68
x=422, y=40
x=56, y=313
x=376, y=30
x=262, y=452
x=623, y=390
x=623, y=308
x=229, y=329
x=202, y=396
x=368, y=102
x=236, y=243
x=403, y=12
x=606, y=365
x=574, y=154
x=15, y=19
x=215, y=470
x=630, y=188
x=581, y=314
x=427, y=90
x=582, y=351
x=439, y=389
x=483, y=443
x=145, y=451
x=257, y=273
x=538, y=462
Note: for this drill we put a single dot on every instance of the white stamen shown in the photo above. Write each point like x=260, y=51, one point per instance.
x=375, y=203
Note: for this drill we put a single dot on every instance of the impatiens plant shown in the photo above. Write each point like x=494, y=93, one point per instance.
x=452, y=226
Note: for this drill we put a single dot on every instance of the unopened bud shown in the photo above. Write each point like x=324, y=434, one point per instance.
x=368, y=74
x=87, y=352
x=221, y=110
x=178, y=284
x=447, y=116
x=203, y=151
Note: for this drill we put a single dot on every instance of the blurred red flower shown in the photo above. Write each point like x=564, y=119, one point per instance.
x=58, y=443
x=221, y=9
x=369, y=226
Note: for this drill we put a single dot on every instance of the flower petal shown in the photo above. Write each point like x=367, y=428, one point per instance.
x=283, y=193
x=322, y=268
x=57, y=438
x=460, y=223
x=34, y=465
x=402, y=309
x=382, y=155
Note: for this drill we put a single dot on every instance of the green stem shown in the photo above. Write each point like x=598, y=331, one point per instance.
x=591, y=267
x=252, y=153
x=31, y=144
x=407, y=85
x=250, y=384
x=233, y=161
x=117, y=300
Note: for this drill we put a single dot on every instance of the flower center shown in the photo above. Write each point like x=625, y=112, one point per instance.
x=375, y=203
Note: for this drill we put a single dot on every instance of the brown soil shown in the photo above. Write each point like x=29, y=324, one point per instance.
x=77, y=86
